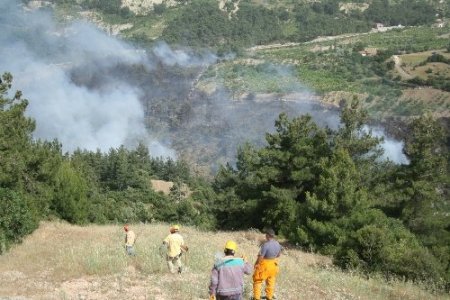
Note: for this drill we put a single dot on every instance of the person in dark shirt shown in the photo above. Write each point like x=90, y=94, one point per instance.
x=266, y=266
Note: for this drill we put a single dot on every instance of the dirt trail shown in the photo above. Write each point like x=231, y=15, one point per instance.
x=316, y=40
x=399, y=68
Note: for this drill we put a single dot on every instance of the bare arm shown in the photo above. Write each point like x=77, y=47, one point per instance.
x=258, y=259
x=248, y=268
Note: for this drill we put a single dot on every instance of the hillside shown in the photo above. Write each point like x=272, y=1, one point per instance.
x=305, y=52
x=61, y=261
x=322, y=44
x=270, y=115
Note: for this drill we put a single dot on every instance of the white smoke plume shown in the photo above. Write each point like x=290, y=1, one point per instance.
x=393, y=149
x=72, y=77
x=40, y=54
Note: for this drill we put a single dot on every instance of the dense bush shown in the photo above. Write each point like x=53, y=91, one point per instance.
x=202, y=23
x=107, y=6
x=327, y=191
x=18, y=217
x=405, y=12
x=20, y=168
x=376, y=243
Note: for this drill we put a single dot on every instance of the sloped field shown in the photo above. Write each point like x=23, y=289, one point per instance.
x=61, y=261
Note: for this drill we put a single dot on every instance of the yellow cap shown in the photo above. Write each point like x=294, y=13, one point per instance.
x=175, y=228
x=231, y=245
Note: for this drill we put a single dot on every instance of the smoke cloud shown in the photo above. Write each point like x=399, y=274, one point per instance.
x=93, y=91
x=393, y=149
x=41, y=55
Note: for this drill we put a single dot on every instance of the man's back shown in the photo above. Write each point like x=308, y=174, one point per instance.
x=270, y=249
x=174, y=242
x=227, y=276
x=130, y=238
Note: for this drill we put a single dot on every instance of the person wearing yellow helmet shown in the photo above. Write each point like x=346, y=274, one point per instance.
x=230, y=245
x=175, y=248
x=227, y=275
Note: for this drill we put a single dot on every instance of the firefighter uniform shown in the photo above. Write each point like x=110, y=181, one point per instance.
x=266, y=267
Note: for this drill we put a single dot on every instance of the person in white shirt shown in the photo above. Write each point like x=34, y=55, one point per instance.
x=130, y=239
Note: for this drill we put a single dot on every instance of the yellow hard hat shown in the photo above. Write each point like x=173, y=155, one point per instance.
x=231, y=245
x=175, y=228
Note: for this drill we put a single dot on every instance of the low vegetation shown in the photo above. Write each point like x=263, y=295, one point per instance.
x=90, y=262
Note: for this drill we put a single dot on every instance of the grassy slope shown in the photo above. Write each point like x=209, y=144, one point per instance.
x=61, y=261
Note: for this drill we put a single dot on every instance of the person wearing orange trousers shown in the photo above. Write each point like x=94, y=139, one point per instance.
x=266, y=266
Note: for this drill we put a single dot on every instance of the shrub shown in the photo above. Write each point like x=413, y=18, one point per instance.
x=70, y=201
x=17, y=218
x=385, y=246
x=159, y=9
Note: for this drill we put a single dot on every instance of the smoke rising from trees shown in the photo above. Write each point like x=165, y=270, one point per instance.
x=40, y=54
x=93, y=91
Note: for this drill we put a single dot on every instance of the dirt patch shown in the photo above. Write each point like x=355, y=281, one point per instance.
x=109, y=287
x=369, y=52
x=162, y=186
x=336, y=97
x=222, y=6
x=320, y=48
x=418, y=57
x=111, y=29
x=429, y=97
x=348, y=7
x=413, y=65
x=399, y=68
x=143, y=7
x=431, y=68
x=273, y=46
x=165, y=187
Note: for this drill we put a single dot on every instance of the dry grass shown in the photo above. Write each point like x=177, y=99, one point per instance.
x=165, y=186
x=415, y=58
x=411, y=63
x=60, y=261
